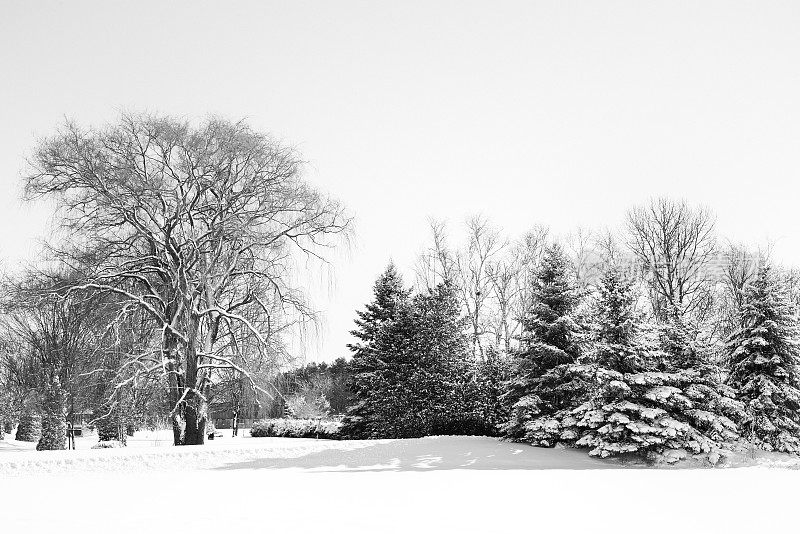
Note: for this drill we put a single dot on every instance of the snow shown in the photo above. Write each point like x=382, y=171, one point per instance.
x=437, y=484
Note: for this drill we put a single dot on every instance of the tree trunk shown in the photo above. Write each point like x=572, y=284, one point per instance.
x=174, y=387
x=195, y=412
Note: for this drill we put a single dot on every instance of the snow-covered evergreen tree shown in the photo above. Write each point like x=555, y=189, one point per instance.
x=375, y=369
x=545, y=379
x=412, y=376
x=663, y=402
x=764, y=355
x=53, y=421
x=491, y=375
x=109, y=423
x=30, y=423
x=443, y=380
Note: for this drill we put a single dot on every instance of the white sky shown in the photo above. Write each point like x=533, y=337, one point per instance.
x=563, y=112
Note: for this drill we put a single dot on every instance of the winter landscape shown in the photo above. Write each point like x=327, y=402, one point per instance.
x=418, y=267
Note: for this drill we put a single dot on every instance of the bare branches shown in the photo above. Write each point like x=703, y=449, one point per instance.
x=674, y=243
x=195, y=226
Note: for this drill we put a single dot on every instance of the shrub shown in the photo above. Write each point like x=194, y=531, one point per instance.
x=111, y=444
x=296, y=428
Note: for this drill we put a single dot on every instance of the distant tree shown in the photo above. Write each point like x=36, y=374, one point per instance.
x=53, y=331
x=675, y=244
x=764, y=355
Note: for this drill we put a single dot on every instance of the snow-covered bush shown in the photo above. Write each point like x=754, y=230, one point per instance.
x=296, y=428
x=308, y=404
x=110, y=444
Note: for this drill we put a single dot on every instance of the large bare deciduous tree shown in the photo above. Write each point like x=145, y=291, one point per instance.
x=201, y=227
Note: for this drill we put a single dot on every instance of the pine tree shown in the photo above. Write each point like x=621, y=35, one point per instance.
x=373, y=369
x=389, y=295
x=411, y=376
x=491, y=376
x=662, y=402
x=443, y=382
x=764, y=355
x=545, y=380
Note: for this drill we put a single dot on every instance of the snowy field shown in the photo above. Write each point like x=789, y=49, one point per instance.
x=443, y=484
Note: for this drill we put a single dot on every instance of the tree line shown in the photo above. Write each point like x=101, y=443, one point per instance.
x=655, y=341
x=170, y=288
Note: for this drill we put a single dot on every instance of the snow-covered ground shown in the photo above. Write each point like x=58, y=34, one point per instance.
x=441, y=484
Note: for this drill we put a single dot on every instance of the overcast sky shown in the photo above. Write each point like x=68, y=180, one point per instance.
x=560, y=113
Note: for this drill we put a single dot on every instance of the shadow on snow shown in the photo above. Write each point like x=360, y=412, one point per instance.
x=432, y=454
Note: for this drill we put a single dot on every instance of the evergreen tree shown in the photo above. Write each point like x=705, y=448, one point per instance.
x=443, y=383
x=411, y=375
x=764, y=356
x=110, y=423
x=491, y=376
x=53, y=421
x=375, y=371
x=545, y=379
x=389, y=295
x=662, y=401
x=30, y=423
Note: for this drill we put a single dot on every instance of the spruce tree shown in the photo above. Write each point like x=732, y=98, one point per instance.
x=764, y=355
x=545, y=380
x=411, y=375
x=658, y=401
x=491, y=375
x=443, y=383
x=374, y=371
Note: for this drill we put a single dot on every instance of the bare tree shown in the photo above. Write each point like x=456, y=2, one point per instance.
x=199, y=227
x=504, y=277
x=53, y=335
x=437, y=263
x=475, y=281
x=471, y=267
x=674, y=244
x=584, y=257
x=528, y=253
x=737, y=272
